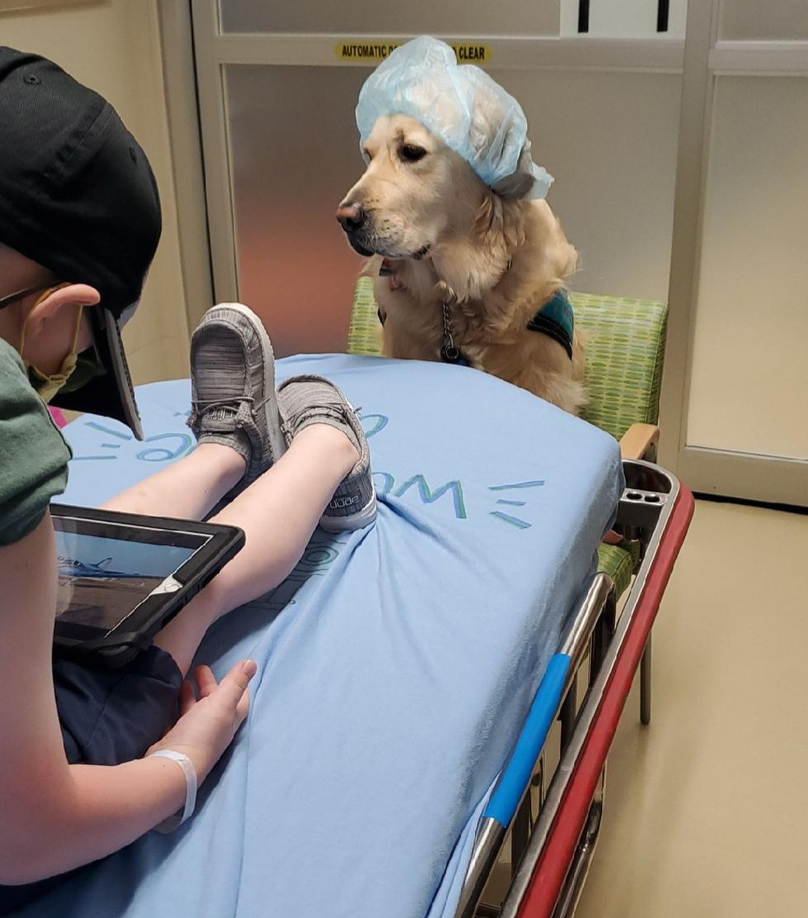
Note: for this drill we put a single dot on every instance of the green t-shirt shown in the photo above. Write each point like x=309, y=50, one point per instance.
x=33, y=453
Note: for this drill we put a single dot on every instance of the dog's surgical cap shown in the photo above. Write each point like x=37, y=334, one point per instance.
x=460, y=104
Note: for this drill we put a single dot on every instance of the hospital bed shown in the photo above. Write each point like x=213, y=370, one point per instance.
x=551, y=849
x=410, y=674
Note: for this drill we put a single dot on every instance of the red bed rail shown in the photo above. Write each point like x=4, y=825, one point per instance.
x=548, y=877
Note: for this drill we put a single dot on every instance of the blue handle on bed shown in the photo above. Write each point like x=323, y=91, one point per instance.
x=513, y=781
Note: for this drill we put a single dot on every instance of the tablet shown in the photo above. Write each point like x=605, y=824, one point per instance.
x=123, y=577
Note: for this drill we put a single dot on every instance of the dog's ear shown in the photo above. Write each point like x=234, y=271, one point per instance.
x=514, y=187
x=500, y=224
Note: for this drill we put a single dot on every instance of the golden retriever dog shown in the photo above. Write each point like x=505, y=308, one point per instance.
x=458, y=265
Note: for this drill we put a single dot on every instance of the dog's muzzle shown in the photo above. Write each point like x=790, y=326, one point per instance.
x=353, y=219
x=358, y=246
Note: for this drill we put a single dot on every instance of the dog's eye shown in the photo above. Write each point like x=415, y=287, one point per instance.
x=411, y=154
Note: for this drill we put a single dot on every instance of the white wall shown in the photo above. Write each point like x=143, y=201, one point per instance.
x=114, y=47
x=749, y=382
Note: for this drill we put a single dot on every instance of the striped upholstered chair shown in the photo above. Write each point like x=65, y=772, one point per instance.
x=624, y=356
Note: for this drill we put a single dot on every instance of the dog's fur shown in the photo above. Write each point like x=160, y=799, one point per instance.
x=448, y=238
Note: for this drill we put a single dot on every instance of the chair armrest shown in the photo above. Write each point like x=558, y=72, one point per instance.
x=638, y=440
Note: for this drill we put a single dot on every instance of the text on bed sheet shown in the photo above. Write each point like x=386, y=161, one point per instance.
x=174, y=445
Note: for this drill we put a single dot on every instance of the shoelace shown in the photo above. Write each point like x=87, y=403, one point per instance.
x=200, y=407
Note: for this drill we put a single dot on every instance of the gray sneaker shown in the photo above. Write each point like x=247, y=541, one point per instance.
x=308, y=400
x=233, y=400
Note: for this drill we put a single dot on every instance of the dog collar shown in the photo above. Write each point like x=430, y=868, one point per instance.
x=449, y=352
x=556, y=319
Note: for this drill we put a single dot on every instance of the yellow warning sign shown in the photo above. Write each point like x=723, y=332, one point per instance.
x=374, y=52
x=472, y=53
x=362, y=52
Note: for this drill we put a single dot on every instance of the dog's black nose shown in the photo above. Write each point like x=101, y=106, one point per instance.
x=351, y=216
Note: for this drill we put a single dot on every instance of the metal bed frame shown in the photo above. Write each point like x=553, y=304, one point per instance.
x=551, y=853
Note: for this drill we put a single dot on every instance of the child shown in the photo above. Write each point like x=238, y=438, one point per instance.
x=89, y=761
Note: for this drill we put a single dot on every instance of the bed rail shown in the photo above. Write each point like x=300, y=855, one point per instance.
x=514, y=783
x=655, y=509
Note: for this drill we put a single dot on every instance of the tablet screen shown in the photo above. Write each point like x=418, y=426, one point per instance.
x=103, y=578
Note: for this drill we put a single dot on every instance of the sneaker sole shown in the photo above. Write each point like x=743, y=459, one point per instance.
x=365, y=516
x=355, y=521
x=272, y=411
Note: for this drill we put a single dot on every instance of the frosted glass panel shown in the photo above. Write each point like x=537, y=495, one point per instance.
x=610, y=141
x=294, y=154
x=447, y=17
x=764, y=20
x=749, y=384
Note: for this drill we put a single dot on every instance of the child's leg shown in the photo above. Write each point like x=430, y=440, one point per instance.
x=238, y=424
x=278, y=513
x=187, y=490
x=234, y=415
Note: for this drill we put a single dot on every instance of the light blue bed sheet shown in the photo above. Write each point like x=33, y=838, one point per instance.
x=396, y=664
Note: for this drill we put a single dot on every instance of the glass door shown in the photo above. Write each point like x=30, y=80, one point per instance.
x=278, y=85
x=737, y=384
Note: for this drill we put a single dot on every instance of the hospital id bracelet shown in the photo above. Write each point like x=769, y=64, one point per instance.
x=175, y=821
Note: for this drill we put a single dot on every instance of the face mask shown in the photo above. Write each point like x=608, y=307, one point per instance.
x=48, y=385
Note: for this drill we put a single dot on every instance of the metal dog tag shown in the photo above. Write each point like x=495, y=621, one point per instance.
x=451, y=354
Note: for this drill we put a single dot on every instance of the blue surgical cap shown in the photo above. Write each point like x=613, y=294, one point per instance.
x=460, y=104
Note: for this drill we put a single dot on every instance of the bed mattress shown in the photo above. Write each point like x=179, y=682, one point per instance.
x=396, y=664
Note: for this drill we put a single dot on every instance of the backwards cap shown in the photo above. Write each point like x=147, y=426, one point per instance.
x=77, y=195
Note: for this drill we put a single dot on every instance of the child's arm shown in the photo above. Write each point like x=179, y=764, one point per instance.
x=55, y=816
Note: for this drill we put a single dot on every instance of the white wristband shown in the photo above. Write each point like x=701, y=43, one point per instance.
x=174, y=822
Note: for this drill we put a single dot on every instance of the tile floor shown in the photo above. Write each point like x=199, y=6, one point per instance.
x=707, y=808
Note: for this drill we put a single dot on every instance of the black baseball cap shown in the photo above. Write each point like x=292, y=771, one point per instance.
x=77, y=195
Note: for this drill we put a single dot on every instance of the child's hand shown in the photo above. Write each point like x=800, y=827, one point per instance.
x=208, y=724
